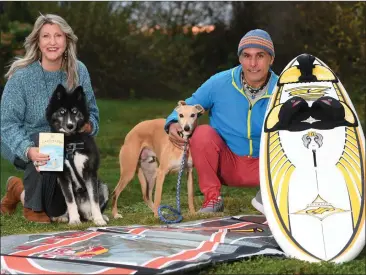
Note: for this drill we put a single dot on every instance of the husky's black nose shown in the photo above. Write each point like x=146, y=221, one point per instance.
x=70, y=126
x=186, y=128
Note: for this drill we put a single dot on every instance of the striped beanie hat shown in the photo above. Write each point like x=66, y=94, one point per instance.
x=257, y=39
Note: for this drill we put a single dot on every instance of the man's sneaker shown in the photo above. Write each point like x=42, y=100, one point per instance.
x=212, y=205
x=257, y=202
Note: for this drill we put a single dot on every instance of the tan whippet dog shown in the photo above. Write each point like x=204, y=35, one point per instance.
x=148, y=150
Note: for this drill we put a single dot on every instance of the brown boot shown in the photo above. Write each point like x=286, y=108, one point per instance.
x=14, y=188
x=33, y=216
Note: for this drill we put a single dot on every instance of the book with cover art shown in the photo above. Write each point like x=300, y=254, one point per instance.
x=53, y=145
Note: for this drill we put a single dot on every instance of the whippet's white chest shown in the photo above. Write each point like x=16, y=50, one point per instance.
x=175, y=164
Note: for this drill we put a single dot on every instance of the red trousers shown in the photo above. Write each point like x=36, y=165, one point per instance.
x=216, y=164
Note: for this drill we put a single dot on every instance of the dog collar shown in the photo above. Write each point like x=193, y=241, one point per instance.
x=182, y=136
x=71, y=148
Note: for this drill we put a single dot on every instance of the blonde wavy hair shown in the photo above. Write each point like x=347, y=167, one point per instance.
x=32, y=52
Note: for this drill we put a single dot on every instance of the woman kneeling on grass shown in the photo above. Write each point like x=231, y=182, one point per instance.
x=50, y=59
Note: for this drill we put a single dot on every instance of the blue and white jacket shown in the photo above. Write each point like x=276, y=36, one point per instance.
x=231, y=114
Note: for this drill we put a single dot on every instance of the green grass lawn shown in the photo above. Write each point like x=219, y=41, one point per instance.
x=117, y=118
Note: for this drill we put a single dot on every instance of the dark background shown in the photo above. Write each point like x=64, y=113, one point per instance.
x=136, y=50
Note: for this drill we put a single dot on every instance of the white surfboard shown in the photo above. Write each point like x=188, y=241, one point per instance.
x=312, y=165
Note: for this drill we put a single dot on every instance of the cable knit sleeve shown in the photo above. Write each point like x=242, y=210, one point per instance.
x=85, y=82
x=14, y=138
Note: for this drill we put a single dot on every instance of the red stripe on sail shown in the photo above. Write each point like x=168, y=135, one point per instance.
x=117, y=271
x=22, y=265
x=138, y=231
x=68, y=241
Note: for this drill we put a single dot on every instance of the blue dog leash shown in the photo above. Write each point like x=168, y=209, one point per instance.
x=176, y=212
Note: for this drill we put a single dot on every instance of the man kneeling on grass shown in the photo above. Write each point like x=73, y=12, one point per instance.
x=227, y=150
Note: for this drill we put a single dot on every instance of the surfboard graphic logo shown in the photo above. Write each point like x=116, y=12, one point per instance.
x=312, y=140
x=309, y=92
x=350, y=165
x=320, y=209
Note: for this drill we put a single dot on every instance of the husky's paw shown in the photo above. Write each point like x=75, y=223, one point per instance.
x=117, y=216
x=89, y=217
x=61, y=219
x=99, y=222
x=74, y=222
x=105, y=217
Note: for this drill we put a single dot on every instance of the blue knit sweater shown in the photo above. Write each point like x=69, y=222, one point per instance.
x=24, y=101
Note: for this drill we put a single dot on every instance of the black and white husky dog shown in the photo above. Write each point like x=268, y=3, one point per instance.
x=86, y=196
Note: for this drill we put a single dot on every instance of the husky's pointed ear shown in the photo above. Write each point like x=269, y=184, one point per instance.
x=55, y=101
x=60, y=90
x=79, y=93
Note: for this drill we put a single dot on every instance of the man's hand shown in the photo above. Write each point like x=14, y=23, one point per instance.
x=174, y=136
x=87, y=128
x=37, y=158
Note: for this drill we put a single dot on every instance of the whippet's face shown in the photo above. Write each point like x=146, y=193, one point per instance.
x=187, y=117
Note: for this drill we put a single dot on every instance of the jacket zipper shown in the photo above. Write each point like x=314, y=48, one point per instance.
x=250, y=128
x=249, y=113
